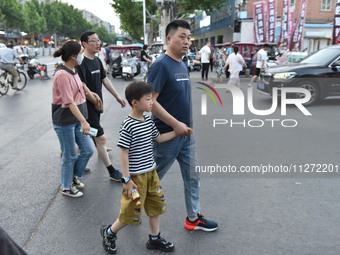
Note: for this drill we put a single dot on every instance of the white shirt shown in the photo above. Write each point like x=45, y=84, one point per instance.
x=235, y=62
x=205, y=51
x=261, y=55
x=8, y=55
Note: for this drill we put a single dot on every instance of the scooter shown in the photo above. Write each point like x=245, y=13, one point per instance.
x=130, y=68
x=33, y=68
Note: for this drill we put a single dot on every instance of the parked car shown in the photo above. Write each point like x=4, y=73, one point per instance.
x=319, y=73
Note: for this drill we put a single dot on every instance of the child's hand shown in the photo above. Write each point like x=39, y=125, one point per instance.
x=191, y=132
x=127, y=187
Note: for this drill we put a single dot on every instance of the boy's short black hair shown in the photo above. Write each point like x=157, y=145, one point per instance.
x=136, y=89
x=175, y=24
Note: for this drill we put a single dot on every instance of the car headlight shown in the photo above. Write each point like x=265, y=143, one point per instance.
x=283, y=76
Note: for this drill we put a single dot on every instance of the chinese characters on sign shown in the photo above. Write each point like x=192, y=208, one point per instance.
x=297, y=33
x=259, y=17
x=285, y=35
x=271, y=5
x=336, y=26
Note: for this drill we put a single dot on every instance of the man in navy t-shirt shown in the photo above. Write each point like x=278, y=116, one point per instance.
x=171, y=110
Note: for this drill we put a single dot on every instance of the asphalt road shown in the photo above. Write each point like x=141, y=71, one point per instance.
x=277, y=213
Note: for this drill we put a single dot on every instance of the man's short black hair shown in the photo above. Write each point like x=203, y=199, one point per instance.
x=266, y=45
x=136, y=89
x=85, y=36
x=175, y=24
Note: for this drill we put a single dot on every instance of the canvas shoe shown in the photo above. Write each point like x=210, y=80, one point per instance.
x=78, y=184
x=72, y=192
x=200, y=223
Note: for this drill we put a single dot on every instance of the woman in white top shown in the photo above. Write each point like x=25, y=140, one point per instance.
x=235, y=62
x=102, y=56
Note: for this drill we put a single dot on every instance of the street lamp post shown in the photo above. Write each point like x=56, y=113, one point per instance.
x=144, y=20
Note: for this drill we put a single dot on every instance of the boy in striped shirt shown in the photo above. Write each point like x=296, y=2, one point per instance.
x=137, y=134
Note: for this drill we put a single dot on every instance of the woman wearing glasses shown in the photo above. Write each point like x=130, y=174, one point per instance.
x=69, y=114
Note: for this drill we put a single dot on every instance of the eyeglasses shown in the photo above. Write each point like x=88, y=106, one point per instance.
x=95, y=41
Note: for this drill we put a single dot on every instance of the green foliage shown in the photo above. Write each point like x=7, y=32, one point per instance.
x=12, y=15
x=52, y=14
x=185, y=7
x=131, y=17
x=131, y=13
x=33, y=21
x=104, y=35
x=56, y=17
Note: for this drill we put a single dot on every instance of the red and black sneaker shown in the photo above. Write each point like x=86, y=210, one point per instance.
x=200, y=224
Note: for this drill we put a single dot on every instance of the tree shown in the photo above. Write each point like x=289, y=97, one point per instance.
x=53, y=17
x=34, y=22
x=131, y=17
x=104, y=35
x=12, y=15
x=131, y=13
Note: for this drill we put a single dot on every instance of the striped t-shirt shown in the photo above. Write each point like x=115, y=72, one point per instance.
x=138, y=136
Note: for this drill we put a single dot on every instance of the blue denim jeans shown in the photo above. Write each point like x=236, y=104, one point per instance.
x=73, y=164
x=184, y=150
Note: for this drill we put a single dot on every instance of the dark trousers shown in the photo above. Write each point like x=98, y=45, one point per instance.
x=227, y=72
x=211, y=64
x=205, y=70
x=8, y=246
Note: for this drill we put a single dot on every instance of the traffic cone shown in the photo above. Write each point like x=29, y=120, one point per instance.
x=46, y=75
x=42, y=72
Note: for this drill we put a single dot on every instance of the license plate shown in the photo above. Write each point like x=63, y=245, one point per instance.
x=260, y=85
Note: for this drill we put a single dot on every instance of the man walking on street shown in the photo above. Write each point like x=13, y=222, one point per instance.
x=92, y=73
x=170, y=79
x=205, y=60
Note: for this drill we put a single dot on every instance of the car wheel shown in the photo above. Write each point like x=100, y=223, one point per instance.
x=312, y=87
x=198, y=68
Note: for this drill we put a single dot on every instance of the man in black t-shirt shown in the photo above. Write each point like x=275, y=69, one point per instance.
x=92, y=73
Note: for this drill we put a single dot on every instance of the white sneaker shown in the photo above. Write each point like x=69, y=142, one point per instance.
x=72, y=192
x=78, y=184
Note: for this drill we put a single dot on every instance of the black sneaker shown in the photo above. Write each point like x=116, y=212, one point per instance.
x=160, y=244
x=87, y=171
x=115, y=176
x=200, y=223
x=109, y=241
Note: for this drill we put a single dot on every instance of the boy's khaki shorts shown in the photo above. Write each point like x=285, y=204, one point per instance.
x=151, y=197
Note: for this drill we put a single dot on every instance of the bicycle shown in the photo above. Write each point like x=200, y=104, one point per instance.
x=6, y=80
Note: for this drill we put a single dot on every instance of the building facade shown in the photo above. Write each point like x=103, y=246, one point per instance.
x=234, y=22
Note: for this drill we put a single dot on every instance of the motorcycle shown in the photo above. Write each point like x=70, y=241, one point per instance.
x=130, y=68
x=33, y=68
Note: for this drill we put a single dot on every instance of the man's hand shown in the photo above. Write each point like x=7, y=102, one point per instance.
x=127, y=187
x=99, y=104
x=181, y=129
x=121, y=101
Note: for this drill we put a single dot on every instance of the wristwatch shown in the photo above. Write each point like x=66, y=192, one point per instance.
x=125, y=179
